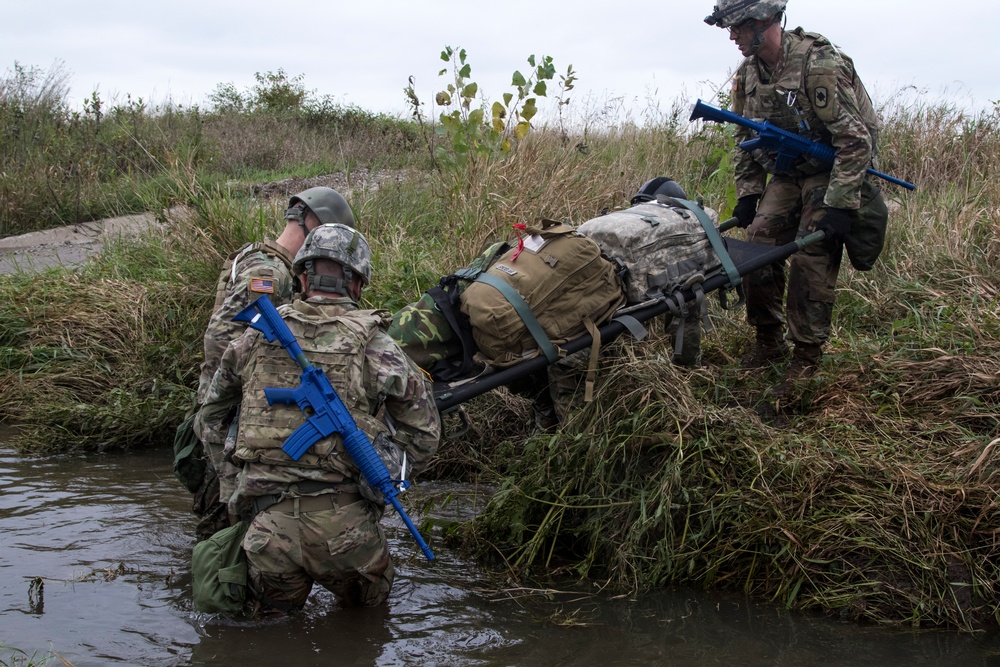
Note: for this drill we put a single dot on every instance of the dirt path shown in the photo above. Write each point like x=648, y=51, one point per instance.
x=67, y=246
x=72, y=245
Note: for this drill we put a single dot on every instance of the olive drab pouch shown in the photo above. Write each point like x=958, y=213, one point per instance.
x=867, y=238
x=663, y=245
x=219, y=571
x=189, y=455
x=554, y=287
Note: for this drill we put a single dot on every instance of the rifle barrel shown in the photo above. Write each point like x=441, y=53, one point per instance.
x=820, y=151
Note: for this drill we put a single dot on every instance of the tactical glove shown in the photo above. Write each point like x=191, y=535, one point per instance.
x=746, y=209
x=836, y=224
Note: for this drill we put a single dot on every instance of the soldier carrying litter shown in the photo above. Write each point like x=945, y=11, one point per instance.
x=801, y=82
x=263, y=267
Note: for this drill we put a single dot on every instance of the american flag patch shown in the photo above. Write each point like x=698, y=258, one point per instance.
x=262, y=285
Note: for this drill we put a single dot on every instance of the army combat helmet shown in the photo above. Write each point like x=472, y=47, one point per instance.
x=341, y=244
x=326, y=203
x=731, y=13
x=661, y=185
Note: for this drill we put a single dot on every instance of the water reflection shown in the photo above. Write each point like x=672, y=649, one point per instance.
x=109, y=538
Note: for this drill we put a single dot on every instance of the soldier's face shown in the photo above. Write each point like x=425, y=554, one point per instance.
x=742, y=35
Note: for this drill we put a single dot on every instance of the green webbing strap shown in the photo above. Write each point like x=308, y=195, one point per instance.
x=633, y=325
x=524, y=311
x=468, y=273
x=716, y=240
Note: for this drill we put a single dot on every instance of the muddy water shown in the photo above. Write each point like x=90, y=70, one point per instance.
x=108, y=537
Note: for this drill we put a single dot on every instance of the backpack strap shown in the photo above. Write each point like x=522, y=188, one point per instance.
x=445, y=296
x=595, y=350
x=524, y=311
x=719, y=245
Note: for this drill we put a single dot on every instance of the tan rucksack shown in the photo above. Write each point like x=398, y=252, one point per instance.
x=554, y=288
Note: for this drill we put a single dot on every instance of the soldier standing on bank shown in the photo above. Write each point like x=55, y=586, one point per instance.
x=801, y=82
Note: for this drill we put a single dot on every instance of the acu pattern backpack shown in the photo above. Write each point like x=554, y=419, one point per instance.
x=664, y=244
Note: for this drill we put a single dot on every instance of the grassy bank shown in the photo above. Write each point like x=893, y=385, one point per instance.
x=872, y=496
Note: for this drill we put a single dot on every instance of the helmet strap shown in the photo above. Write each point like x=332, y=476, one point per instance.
x=298, y=214
x=758, y=33
x=329, y=284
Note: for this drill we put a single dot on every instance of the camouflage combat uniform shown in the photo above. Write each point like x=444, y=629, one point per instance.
x=321, y=530
x=815, y=92
x=257, y=268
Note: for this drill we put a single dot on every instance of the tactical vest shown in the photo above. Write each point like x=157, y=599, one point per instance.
x=337, y=345
x=785, y=102
x=227, y=274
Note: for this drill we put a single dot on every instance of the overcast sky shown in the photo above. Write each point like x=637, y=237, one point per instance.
x=631, y=53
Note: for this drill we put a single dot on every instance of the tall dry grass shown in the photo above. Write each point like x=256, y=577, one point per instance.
x=873, y=495
x=116, y=156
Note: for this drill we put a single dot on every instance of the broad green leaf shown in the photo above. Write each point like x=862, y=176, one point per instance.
x=446, y=54
x=518, y=79
x=465, y=71
x=442, y=99
x=498, y=110
x=470, y=90
x=521, y=129
x=539, y=89
x=442, y=72
x=476, y=117
x=529, y=109
x=507, y=97
x=531, y=60
x=498, y=124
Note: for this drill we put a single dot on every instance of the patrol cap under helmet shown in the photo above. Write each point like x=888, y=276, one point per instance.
x=326, y=203
x=731, y=13
x=340, y=243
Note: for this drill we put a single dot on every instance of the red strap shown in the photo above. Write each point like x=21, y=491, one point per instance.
x=518, y=228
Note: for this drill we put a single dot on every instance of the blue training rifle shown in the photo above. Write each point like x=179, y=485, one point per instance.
x=316, y=397
x=788, y=145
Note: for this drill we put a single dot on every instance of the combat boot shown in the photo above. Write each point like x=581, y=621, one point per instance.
x=804, y=364
x=546, y=419
x=769, y=348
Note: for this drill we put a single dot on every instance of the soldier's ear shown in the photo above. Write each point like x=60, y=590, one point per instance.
x=356, y=286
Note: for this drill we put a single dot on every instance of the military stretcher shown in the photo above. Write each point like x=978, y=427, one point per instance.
x=742, y=259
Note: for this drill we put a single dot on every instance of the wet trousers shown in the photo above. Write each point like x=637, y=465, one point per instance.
x=342, y=548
